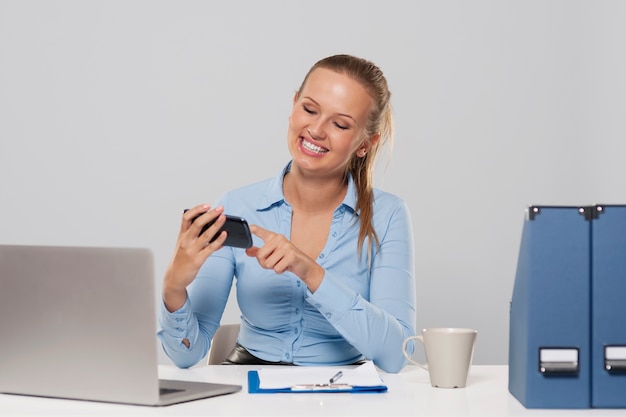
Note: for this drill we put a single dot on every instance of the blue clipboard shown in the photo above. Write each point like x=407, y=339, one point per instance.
x=254, y=387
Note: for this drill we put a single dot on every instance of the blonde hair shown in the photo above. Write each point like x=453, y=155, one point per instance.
x=380, y=122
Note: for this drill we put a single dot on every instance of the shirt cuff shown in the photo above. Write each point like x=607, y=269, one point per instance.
x=178, y=325
x=333, y=299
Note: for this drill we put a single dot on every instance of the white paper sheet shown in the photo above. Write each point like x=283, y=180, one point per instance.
x=364, y=375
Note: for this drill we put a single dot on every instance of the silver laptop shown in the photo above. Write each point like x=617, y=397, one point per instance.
x=80, y=323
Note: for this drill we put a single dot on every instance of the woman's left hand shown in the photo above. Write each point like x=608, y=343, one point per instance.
x=280, y=255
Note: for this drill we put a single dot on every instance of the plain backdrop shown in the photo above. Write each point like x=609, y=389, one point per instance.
x=116, y=115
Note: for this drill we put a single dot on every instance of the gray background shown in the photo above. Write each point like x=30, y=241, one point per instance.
x=116, y=115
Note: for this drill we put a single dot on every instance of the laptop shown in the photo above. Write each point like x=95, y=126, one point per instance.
x=80, y=323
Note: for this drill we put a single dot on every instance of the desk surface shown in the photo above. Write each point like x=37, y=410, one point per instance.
x=409, y=393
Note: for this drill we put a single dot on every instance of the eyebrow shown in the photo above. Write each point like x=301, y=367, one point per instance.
x=338, y=114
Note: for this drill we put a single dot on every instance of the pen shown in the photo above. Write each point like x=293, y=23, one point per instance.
x=336, y=377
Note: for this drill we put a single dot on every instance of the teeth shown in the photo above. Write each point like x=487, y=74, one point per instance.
x=312, y=147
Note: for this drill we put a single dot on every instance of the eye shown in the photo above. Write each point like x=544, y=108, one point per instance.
x=342, y=127
x=307, y=109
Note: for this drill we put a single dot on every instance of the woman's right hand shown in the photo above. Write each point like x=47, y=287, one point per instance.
x=192, y=249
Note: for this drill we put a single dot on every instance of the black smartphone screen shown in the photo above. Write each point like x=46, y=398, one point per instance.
x=237, y=229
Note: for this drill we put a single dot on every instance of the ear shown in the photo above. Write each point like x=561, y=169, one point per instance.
x=295, y=98
x=368, y=144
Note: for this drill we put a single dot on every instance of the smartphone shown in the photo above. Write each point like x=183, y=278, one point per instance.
x=239, y=235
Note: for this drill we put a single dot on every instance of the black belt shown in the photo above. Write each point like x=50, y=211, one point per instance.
x=240, y=356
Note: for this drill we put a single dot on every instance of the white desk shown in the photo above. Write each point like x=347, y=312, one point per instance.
x=410, y=394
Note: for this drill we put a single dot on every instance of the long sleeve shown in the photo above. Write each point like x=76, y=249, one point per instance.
x=377, y=323
x=176, y=326
x=200, y=316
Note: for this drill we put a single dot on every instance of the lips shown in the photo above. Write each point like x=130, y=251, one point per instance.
x=313, y=148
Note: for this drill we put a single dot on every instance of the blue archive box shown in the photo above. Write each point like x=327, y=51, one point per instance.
x=567, y=346
x=549, y=332
x=608, y=307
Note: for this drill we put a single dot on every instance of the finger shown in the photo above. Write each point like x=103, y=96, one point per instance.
x=190, y=214
x=276, y=259
x=264, y=234
x=209, y=234
x=281, y=266
x=213, y=245
x=285, y=262
x=207, y=224
x=251, y=252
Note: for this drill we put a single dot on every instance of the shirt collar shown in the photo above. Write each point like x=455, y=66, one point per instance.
x=274, y=194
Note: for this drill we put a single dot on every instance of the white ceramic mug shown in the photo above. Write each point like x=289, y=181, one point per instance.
x=448, y=354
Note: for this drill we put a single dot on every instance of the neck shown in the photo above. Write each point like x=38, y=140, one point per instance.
x=314, y=194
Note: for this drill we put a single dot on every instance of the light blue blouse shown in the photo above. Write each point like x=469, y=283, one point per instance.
x=358, y=312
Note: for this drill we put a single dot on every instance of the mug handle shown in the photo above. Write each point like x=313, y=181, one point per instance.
x=406, y=341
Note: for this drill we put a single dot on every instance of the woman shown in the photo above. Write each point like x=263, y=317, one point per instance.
x=330, y=278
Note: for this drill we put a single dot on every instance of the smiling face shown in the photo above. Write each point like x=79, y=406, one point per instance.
x=327, y=123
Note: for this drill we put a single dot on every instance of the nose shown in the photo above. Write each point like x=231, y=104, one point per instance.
x=316, y=131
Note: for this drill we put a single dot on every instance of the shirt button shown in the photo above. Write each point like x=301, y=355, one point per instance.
x=287, y=356
x=297, y=311
x=298, y=283
x=179, y=330
x=328, y=315
x=334, y=234
x=295, y=330
x=321, y=255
